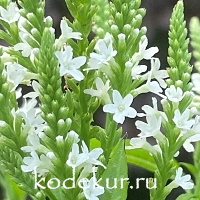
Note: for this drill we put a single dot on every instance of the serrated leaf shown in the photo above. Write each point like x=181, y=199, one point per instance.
x=116, y=170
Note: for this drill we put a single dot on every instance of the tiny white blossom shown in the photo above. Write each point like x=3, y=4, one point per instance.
x=182, y=120
x=34, y=142
x=67, y=32
x=136, y=143
x=24, y=46
x=75, y=158
x=104, y=53
x=183, y=181
x=157, y=74
x=121, y=107
x=143, y=53
x=36, y=86
x=152, y=111
x=11, y=14
x=150, y=86
x=18, y=92
x=188, y=146
x=70, y=65
x=102, y=90
x=92, y=155
x=151, y=128
x=137, y=70
x=196, y=82
x=30, y=113
x=43, y=164
x=17, y=74
x=174, y=94
x=90, y=191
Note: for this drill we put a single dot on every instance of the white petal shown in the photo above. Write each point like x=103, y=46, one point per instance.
x=110, y=108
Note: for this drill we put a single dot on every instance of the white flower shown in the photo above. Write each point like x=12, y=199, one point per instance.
x=143, y=53
x=157, y=74
x=121, y=107
x=70, y=65
x=67, y=32
x=149, y=86
x=102, y=90
x=151, y=128
x=30, y=114
x=195, y=129
x=18, y=92
x=92, y=155
x=75, y=159
x=183, y=181
x=43, y=164
x=104, y=53
x=17, y=74
x=174, y=94
x=152, y=111
x=24, y=46
x=182, y=120
x=187, y=144
x=11, y=14
x=136, y=143
x=137, y=70
x=36, y=86
x=90, y=191
x=34, y=141
x=196, y=81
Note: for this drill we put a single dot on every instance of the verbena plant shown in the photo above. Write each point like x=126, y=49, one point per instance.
x=49, y=147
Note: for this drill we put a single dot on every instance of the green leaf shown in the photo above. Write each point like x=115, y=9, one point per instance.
x=116, y=170
x=141, y=158
x=187, y=197
x=12, y=190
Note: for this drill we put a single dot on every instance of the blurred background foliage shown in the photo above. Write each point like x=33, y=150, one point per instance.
x=157, y=23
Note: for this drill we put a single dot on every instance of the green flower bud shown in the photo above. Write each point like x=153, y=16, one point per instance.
x=121, y=42
x=32, y=18
x=138, y=20
x=48, y=21
x=125, y=9
x=60, y=141
x=63, y=126
x=63, y=112
x=127, y=29
x=36, y=34
x=143, y=30
x=51, y=119
x=186, y=77
x=114, y=29
x=179, y=83
x=119, y=20
x=55, y=105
